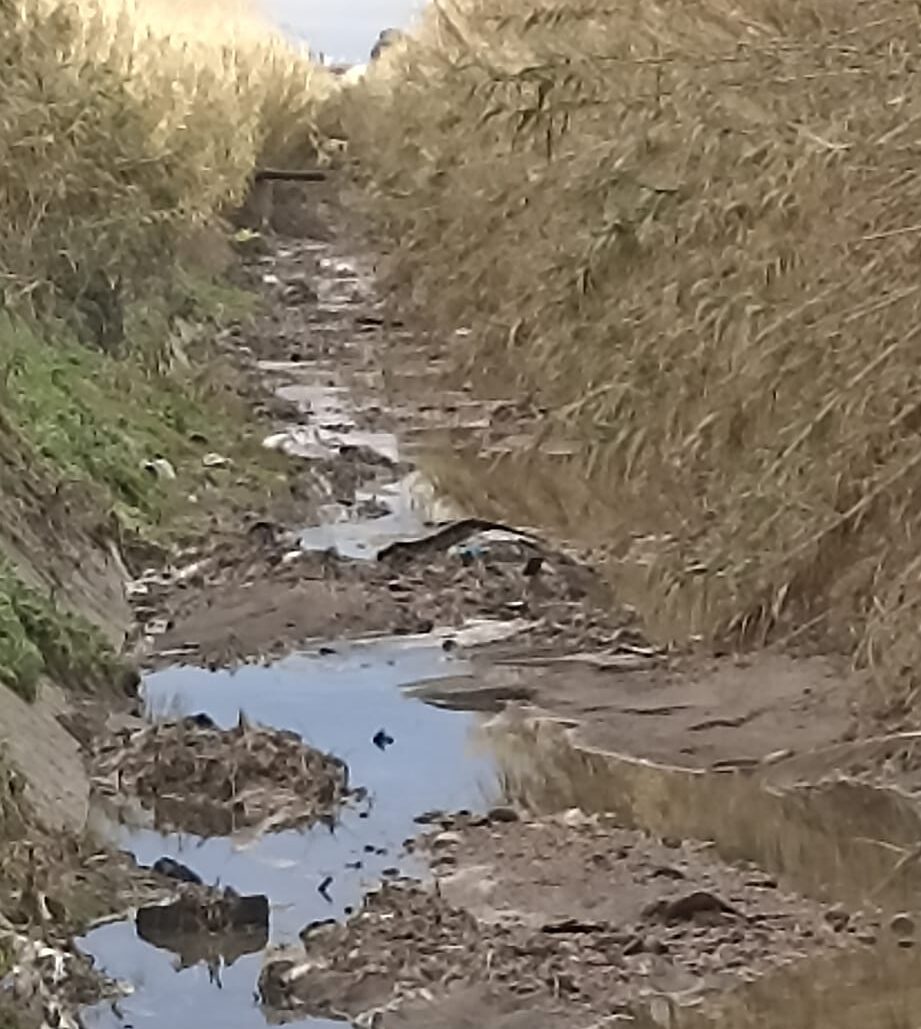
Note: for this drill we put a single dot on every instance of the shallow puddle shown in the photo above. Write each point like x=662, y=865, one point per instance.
x=334, y=701
x=837, y=841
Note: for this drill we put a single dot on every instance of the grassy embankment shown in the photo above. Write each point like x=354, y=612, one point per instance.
x=124, y=133
x=691, y=230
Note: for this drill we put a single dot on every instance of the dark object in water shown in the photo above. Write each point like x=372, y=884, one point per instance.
x=382, y=739
x=173, y=869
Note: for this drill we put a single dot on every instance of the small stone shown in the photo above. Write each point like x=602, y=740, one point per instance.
x=867, y=938
x=429, y=817
x=445, y=839
x=672, y=842
x=503, y=814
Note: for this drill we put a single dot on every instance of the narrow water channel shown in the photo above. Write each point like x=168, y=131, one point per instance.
x=336, y=702
x=841, y=842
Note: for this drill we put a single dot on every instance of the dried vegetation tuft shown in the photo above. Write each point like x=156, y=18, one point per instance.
x=692, y=229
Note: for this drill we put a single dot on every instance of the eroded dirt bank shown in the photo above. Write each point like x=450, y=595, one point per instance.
x=372, y=770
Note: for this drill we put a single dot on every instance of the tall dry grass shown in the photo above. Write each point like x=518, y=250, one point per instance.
x=693, y=228
x=124, y=127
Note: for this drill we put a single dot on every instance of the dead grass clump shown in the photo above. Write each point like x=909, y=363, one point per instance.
x=201, y=779
x=121, y=132
x=692, y=228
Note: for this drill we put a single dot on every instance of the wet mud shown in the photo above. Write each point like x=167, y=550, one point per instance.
x=404, y=761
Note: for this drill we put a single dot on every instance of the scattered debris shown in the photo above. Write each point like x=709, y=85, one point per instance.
x=202, y=779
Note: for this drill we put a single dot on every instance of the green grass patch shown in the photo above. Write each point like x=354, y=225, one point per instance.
x=94, y=417
x=37, y=638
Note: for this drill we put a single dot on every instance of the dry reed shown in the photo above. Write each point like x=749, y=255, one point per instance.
x=692, y=228
x=121, y=129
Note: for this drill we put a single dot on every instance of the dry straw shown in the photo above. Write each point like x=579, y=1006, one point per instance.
x=121, y=128
x=693, y=228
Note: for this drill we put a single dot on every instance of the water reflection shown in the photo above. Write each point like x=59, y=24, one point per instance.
x=841, y=841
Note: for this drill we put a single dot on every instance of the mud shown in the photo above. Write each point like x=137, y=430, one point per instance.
x=378, y=553
x=509, y=911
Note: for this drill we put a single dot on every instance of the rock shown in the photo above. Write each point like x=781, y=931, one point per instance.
x=317, y=928
x=503, y=814
x=200, y=721
x=445, y=839
x=215, y=460
x=173, y=869
x=160, y=468
x=688, y=907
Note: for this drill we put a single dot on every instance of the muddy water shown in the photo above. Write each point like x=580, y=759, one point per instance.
x=336, y=701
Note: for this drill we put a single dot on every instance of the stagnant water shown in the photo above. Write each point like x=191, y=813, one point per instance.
x=337, y=702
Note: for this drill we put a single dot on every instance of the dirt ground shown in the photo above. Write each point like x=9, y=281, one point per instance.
x=575, y=917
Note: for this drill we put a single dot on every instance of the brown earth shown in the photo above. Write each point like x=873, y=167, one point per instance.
x=573, y=916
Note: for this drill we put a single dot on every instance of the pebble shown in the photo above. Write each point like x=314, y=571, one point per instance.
x=428, y=817
x=503, y=814
x=445, y=839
